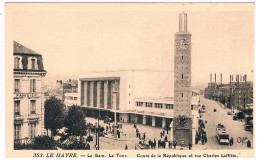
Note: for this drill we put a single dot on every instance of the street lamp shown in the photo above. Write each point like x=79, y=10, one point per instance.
x=97, y=131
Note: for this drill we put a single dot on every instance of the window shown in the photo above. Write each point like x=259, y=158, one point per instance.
x=169, y=106
x=139, y=103
x=16, y=85
x=33, y=64
x=181, y=76
x=181, y=57
x=32, y=130
x=16, y=107
x=33, y=107
x=181, y=94
x=75, y=98
x=148, y=104
x=17, y=131
x=16, y=62
x=33, y=85
x=158, y=105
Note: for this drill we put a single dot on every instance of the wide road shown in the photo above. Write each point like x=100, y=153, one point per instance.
x=234, y=128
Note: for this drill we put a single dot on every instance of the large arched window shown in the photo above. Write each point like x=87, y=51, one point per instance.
x=16, y=62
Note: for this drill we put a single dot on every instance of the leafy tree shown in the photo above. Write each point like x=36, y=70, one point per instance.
x=75, y=121
x=44, y=143
x=54, y=114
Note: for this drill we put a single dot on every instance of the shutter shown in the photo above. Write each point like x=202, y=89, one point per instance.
x=31, y=82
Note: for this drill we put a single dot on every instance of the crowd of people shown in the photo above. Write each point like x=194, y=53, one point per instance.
x=163, y=142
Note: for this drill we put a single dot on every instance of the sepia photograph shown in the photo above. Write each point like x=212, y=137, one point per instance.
x=135, y=78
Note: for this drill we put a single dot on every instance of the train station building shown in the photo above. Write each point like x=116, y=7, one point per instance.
x=136, y=96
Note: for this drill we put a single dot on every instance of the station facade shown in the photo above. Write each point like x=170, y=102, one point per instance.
x=136, y=96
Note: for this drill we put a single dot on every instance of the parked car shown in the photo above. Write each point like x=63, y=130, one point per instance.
x=229, y=113
x=248, y=127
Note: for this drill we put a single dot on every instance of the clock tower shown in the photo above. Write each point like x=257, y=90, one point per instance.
x=182, y=124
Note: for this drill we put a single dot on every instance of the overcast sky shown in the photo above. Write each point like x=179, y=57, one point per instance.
x=97, y=37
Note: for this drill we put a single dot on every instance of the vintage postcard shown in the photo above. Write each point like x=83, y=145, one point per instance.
x=117, y=80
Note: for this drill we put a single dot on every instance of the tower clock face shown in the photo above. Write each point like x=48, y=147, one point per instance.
x=182, y=44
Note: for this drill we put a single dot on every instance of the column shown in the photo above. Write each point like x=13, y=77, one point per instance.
x=144, y=119
x=163, y=122
x=85, y=93
x=91, y=93
x=114, y=101
x=153, y=121
x=105, y=94
x=98, y=94
x=136, y=118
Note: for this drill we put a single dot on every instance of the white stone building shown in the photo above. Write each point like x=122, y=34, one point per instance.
x=137, y=96
x=28, y=98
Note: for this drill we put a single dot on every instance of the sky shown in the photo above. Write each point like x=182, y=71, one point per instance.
x=85, y=37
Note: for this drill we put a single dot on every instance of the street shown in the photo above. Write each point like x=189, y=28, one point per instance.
x=235, y=128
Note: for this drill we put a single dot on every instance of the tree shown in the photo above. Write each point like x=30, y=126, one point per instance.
x=54, y=114
x=44, y=143
x=75, y=121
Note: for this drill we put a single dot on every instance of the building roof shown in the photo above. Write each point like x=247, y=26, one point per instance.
x=20, y=49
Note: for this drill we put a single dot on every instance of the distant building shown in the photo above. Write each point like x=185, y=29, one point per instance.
x=235, y=94
x=29, y=100
x=62, y=87
x=70, y=99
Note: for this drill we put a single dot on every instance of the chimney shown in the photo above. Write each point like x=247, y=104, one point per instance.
x=210, y=78
x=241, y=78
x=232, y=77
x=245, y=78
x=215, y=78
x=221, y=78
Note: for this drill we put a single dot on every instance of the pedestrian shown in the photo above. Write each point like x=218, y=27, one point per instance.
x=170, y=144
x=196, y=139
x=174, y=144
x=166, y=138
x=135, y=148
x=161, y=134
x=248, y=144
x=118, y=133
x=190, y=146
x=154, y=143
x=231, y=141
x=106, y=128
x=87, y=146
x=126, y=147
x=144, y=136
x=167, y=130
x=182, y=144
x=164, y=144
x=206, y=139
